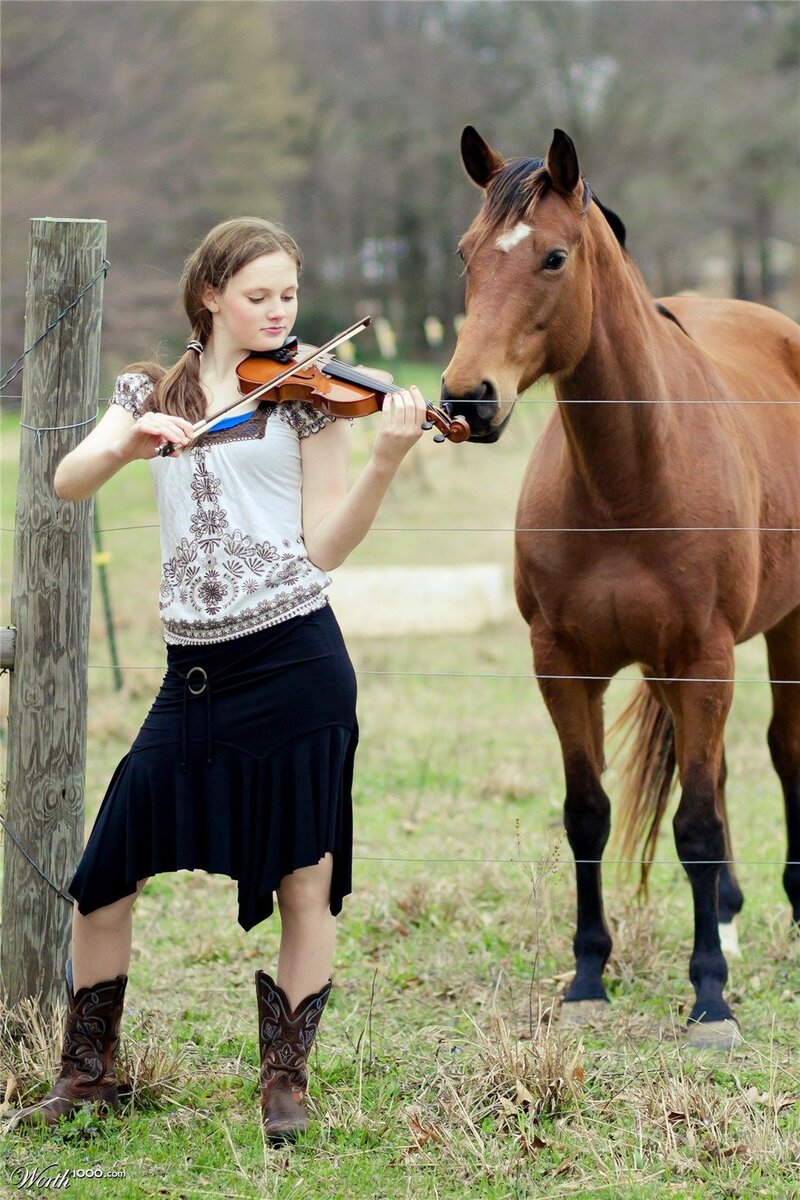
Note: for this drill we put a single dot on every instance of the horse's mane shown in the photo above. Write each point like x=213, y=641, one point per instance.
x=513, y=191
x=516, y=189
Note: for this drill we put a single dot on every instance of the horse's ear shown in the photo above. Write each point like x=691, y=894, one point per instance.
x=481, y=161
x=562, y=163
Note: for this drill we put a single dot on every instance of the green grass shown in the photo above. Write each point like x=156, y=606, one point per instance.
x=436, y=1072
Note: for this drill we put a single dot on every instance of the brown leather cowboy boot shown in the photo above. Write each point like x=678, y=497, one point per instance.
x=88, y=1054
x=285, y=1039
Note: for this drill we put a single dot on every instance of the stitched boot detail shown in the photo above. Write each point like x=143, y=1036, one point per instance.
x=88, y=1055
x=285, y=1040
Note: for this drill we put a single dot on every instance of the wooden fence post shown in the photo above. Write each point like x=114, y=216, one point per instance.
x=50, y=605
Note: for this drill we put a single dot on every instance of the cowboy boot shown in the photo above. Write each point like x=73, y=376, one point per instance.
x=88, y=1054
x=285, y=1039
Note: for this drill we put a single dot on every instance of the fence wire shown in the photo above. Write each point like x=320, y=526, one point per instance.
x=526, y=675
x=544, y=863
x=524, y=528
x=549, y=401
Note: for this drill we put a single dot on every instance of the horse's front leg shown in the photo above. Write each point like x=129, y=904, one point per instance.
x=575, y=707
x=699, y=711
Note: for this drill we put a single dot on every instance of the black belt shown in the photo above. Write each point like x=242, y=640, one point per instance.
x=195, y=683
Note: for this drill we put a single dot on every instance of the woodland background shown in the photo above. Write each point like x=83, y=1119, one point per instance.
x=343, y=120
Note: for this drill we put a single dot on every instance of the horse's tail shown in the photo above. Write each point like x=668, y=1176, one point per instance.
x=646, y=777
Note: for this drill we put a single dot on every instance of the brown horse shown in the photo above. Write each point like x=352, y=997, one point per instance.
x=668, y=437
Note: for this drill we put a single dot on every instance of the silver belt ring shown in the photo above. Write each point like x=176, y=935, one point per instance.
x=195, y=691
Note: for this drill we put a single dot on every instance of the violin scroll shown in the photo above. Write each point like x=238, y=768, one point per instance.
x=451, y=429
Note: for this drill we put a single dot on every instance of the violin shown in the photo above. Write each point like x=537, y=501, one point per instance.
x=335, y=388
x=292, y=372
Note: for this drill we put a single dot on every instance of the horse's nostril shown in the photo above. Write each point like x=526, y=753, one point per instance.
x=486, y=405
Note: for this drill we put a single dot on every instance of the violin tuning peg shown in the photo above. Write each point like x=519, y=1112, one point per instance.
x=427, y=425
x=439, y=437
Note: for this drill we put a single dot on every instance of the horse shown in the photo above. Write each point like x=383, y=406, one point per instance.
x=675, y=440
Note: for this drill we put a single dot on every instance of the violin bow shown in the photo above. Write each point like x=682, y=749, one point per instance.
x=200, y=426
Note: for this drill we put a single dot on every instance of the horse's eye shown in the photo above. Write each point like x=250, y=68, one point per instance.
x=460, y=253
x=554, y=260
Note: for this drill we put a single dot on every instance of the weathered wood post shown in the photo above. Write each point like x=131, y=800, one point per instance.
x=50, y=603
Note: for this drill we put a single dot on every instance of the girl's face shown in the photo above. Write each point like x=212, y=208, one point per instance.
x=257, y=307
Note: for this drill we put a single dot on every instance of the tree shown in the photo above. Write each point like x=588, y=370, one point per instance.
x=160, y=118
x=344, y=119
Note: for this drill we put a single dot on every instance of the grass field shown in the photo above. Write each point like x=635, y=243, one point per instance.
x=440, y=1070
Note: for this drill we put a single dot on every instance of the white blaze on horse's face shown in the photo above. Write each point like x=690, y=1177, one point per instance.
x=520, y=303
x=512, y=237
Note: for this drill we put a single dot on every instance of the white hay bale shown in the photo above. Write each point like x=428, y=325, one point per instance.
x=395, y=601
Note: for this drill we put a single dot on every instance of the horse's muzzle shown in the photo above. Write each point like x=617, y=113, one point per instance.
x=478, y=408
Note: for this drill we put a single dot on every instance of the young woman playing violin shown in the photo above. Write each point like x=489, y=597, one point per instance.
x=243, y=765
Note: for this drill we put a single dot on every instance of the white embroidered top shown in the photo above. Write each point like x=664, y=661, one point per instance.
x=233, y=560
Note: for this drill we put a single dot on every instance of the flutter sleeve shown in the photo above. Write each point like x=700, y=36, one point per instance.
x=304, y=418
x=131, y=390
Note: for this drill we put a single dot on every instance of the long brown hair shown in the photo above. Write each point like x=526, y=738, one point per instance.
x=223, y=251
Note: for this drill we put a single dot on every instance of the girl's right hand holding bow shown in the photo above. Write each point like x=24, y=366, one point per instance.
x=151, y=431
x=117, y=439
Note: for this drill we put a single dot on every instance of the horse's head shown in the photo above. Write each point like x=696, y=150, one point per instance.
x=528, y=289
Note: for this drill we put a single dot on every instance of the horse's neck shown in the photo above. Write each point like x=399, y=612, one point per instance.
x=617, y=443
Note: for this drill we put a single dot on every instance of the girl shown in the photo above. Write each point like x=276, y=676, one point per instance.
x=244, y=763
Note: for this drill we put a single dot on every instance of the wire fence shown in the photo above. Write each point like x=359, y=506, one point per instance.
x=11, y=373
x=543, y=863
x=523, y=675
x=522, y=529
x=17, y=366
x=550, y=400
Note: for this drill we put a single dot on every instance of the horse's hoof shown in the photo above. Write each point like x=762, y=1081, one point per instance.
x=714, y=1035
x=583, y=1012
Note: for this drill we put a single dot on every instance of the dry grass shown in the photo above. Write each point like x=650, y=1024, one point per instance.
x=30, y=1049
x=539, y=1075
x=500, y=1093
x=440, y=1072
x=150, y=1070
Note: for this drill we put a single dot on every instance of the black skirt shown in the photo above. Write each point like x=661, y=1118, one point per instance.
x=243, y=767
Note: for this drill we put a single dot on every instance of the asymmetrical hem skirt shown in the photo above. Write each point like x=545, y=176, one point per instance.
x=243, y=767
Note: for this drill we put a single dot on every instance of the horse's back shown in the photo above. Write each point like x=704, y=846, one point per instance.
x=754, y=348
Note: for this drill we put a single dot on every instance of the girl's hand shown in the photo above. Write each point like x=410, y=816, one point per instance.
x=152, y=430
x=403, y=414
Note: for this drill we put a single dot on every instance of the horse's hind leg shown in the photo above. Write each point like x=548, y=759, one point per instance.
x=576, y=709
x=731, y=899
x=783, y=645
